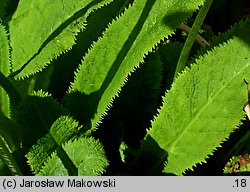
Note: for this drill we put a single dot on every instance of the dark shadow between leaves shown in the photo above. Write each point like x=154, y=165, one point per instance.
x=35, y=116
x=170, y=18
x=8, y=12
x=83, y=107
x=131, y=113
x=150, y=159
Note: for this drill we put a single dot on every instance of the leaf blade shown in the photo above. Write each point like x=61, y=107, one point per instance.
x=35, y=44
x=86, y=153
x=200, y=111
x=105, y=69
x=5, y=69
x=62, y=130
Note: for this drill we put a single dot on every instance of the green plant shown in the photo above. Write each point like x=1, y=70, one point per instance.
x=99, y=86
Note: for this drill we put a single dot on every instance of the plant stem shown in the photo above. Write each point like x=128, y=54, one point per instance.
x=9, y=159
x=198, y=38
x=10, y=89
x=4, y=151
x=192, y=36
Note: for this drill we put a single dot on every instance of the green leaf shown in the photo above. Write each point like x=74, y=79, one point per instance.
x=130, y=37
x=40, y=152
x=86, y=153
x=63, y=129
x=204, y=104
x=5, y=69
x=35, y=44
x=97, y=23
x=9, y=137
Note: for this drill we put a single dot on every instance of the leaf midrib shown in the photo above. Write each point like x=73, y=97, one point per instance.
x=174, y=143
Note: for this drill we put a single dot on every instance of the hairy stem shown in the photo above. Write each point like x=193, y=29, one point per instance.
x=192, y=36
